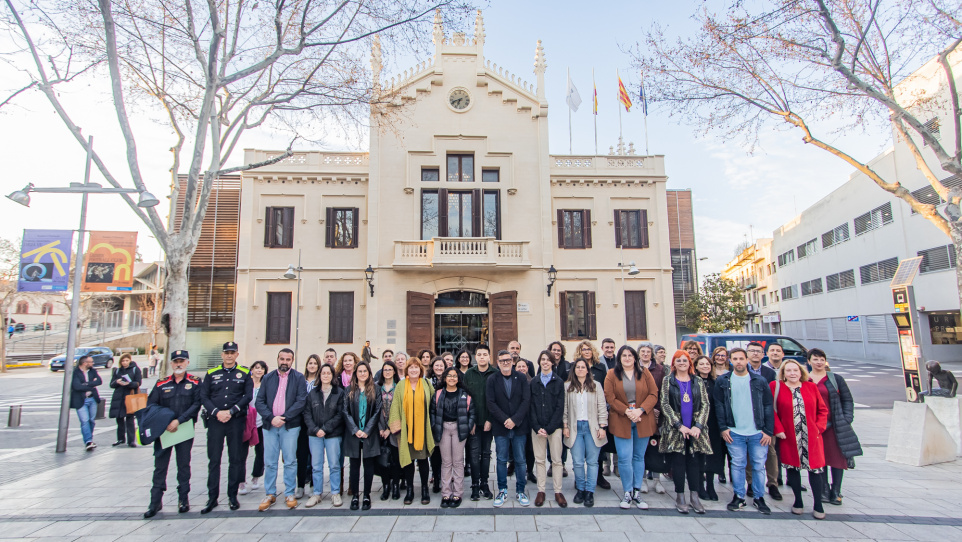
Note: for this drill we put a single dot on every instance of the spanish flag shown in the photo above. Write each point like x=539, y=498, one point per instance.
x=623, y=95
x=595, y=98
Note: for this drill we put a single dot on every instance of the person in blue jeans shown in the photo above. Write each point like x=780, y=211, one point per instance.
x=281, y=404
x=325, y=427
x=746, y=418
x=84, y=398
x=508, y=397
x=584, y=422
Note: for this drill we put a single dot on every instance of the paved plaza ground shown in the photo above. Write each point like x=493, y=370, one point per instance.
x=101, y=496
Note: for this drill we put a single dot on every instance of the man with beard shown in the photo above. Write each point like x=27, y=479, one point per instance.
x=280, y=403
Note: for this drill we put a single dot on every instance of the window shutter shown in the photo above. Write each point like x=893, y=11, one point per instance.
x=617, y=228
x=561, y=228
x=329, y=227
x=443, y=212
x=587, y=228
x=590, y=315
x=644, y=228
x=476, y=214
x=268, y=226
x=357, y=218
x=563, y=309
x=289, y=227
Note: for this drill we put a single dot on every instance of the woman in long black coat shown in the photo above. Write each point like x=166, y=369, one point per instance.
x=362, y=437
x=714, y=464
x=125, y=380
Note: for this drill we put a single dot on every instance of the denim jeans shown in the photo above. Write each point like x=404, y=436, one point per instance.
x=511, y=446
x=631, y=459
x=584, y=449
x=739, y=449
x=319, y=446
x=277, y=441
x=87, y=414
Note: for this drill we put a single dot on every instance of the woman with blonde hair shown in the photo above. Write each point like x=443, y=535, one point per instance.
x=410, y=419
x=719, y=361
x=693, y=348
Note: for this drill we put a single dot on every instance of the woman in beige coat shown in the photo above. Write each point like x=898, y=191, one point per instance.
x=584, y=422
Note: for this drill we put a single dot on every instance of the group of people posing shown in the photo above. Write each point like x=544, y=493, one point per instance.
x=676, y=419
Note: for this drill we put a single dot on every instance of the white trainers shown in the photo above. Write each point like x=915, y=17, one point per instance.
x=243, y=489
x=313, y=501
x=336, y=499
x=659, y=489
x=299, y=493
x=644, y=486
x=642, y=504
x=256, y=483
x=626, y=502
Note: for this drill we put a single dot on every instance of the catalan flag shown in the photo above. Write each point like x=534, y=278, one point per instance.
x=623, y=96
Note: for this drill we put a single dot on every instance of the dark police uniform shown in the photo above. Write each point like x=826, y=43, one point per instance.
x=184, y=399
x=226, y=390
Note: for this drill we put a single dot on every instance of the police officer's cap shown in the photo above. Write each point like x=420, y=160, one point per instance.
x=230, y=346
x=180, y=354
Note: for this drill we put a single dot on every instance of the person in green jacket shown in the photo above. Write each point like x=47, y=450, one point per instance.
x=479, y=443
x=410, y=419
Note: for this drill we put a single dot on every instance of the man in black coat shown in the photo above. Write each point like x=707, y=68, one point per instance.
x=84, y=397
x=179, y=392
x=546, y=415
x=508, y=397
x=225, y=394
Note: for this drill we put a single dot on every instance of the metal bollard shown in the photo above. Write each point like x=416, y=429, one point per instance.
x=13, y=419
x=101, y=410
x=146, y=372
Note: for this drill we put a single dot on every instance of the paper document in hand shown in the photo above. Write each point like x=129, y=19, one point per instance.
x=185, y=431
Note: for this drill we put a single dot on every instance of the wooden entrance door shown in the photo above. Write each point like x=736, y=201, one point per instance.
x=420, y=322
x=503, y=319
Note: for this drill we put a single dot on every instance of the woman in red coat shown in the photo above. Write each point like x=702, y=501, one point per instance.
x=800, y=418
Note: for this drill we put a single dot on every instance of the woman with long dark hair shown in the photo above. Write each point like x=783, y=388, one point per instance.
x=452, y=420
x=362, y=437
x=436, y=377
x=125, y=380
x=585, y=419
x=324, y=418
x=258, y=370
x=304, y=465
x=391, y=475
x=344, y=369
x=839, y=439
x=714, y=463
x=463, y=362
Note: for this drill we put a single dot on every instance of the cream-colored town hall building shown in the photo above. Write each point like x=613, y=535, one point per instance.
x=461, y=213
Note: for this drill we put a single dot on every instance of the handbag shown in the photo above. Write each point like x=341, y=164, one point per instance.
x=135, y=402
x=654, y=460
x=384, y=460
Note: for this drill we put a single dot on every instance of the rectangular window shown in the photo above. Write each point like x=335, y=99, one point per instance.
x=876, y=218
x=790, y=292
x=577, y=316
x=490, y=175
x=574, y=228
x=429, y=215
x=279, y=227
x=945, y=327
x=278, y=318
x=840, y=281
x=631, y=228
x=491, y=214
x=937, y=259
x=932, y=126
x=340, y=318
x=455, y=213
x=636, y=319
x=460, y=214
x=430, y=175
x=682, y=270
x=835, y=236
x=878, y=271
x=341, y=231
x=786, y=258
x=812, y=287
x=460, y=168
x=764, y=302
x=806, y=249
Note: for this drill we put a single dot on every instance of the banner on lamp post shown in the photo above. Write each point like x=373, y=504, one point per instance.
x=45, y=261
x=109, y=262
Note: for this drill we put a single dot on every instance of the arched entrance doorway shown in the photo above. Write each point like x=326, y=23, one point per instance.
x=460, y=321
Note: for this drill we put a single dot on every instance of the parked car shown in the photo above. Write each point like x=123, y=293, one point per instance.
x=103, y=357
x=710, y=341
x=19, y=327
x=40, y=326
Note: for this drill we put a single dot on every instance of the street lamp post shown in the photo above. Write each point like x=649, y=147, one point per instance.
x=295, y=273
x=23, y=198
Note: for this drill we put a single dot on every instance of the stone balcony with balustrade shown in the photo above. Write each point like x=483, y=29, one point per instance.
x=461, y=252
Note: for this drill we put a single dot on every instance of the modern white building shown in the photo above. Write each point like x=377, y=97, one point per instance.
x=753, y=271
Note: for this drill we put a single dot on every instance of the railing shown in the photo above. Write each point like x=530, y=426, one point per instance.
x=461, y=251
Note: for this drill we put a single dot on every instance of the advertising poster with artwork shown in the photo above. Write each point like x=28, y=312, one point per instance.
x=109, y=262
x=44, y=261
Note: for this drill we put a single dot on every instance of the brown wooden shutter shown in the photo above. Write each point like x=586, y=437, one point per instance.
x=357, y=219
x=561, y=228
x=503, y=307
x=288, y=227
x=420, y=322
x=442, y=217
x=476, y=214
x=329, y=227
x=617, y=228
x=268, y=226
x=587, y=228
x=590, y=316
x=340, y=318
x=278, y=318
x=644, y=228
x=563, y=309
x=636, y=319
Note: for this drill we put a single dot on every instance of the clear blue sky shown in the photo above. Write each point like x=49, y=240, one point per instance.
x=736, y=195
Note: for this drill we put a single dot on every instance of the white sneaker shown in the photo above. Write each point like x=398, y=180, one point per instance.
x=256, y=483
x=336, y=499
x=642, y=504
x=659, y=489
x=626, y=502
x=314, y=500
x=243, y=489
x=644, y=486
x=299, y=493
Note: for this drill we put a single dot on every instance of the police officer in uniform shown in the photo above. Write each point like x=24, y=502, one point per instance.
x=179, y=392
x=225, y=394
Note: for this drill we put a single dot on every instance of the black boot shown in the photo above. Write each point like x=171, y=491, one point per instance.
x=710, y=488
x=153, y=509
x=475, y=493
x=426, y=495
x=409, y=496
x=404, y=484
x=395, y=491
x=386, y=492
x=436, y=488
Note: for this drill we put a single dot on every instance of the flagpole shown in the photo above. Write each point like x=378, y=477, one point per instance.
x=594, y=107
x=644, y=104
x=569, y=113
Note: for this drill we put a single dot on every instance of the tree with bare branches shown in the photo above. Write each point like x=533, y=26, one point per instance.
x=824, y=67
x=214, y=71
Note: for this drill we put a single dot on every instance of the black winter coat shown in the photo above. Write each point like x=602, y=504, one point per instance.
x=501, y=407
x=118, y=406
x=547, y=404
x=841, y=413
x=352, y=446
x=80, y=386
x=714, y=463
x=325, y=415
x=467, y=414
x=763, y=409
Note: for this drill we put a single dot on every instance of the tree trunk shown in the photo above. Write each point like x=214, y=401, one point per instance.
x=956, y=230
x=3, y=342
x=175, y=304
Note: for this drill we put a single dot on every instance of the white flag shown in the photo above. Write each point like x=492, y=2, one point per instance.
x=572, y=98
